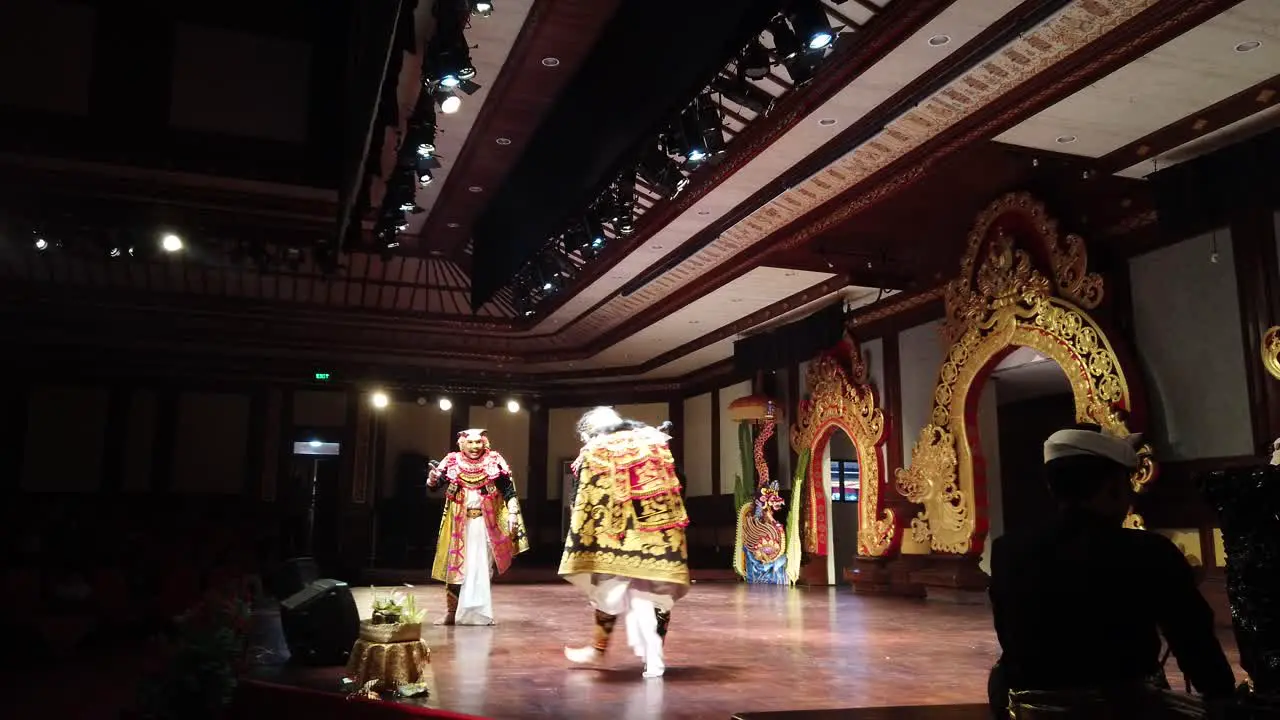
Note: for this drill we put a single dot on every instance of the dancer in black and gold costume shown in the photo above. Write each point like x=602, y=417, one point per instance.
x=626, y=546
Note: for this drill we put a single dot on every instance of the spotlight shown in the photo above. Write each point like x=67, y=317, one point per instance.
x=700, y=127
x=513, y=406
x=811, y=24
x=425, y=178
x=42, y=244
x=315, y=443
x=445, y=404
x=662, y=173
x=114, y=252
x=785, y=41
x=483, y=8
x=379, y=400
x=450, y=81
x=426, y=149
x=171, y=243
x=450, y=104
x=754, y=62
x=743, y=93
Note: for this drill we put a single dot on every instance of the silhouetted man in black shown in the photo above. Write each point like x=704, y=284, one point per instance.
x=1080, y=605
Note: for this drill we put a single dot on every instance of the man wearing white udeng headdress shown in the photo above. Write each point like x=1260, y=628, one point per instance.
x=1080, y=603
x=626, y=544
x=481, y=529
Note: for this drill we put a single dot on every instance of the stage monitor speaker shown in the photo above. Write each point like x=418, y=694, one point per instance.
x=321, y=623
x=294, y=575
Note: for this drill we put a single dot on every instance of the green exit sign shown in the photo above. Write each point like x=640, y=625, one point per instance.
x=322, y=376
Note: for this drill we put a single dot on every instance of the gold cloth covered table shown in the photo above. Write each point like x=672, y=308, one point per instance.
x=393, y=655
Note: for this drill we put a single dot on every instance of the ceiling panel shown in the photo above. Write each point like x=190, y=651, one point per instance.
x=1191, y=72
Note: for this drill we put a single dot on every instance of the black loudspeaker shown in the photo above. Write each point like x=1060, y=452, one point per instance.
x=293, y=576
x=321, y=623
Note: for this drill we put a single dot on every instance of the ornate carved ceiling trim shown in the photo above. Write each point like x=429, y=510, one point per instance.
x=139, y=318
x=1082, y=45
x=1021, y=67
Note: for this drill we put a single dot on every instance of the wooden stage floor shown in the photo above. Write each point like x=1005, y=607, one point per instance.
x=732, y=648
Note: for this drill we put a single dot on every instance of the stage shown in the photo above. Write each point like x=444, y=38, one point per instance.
x=732, y=648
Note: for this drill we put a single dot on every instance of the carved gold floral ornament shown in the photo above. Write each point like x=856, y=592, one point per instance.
x=1271, y=351
x=1001, y=301
x=844, y=399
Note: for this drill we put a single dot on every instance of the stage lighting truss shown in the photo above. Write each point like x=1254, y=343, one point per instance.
x=784, y=56
x=447, y=74
x=120, y=232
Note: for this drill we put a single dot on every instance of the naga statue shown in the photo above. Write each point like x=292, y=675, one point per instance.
x=761, y=545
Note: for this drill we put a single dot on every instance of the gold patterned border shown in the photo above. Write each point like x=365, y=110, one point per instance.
x=999, y=302
x=844, y=399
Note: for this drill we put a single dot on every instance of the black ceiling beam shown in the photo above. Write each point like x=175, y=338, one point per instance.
x=650, y=61
x=376, y=27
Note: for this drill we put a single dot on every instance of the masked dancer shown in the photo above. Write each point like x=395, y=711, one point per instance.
x=481, y=528
x=626, y=545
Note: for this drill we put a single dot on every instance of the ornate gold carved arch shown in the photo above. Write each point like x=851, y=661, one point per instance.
x=840, y=397
x=1001, y=301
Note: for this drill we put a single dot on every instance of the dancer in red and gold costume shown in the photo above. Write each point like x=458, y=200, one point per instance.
x=626, y=545
x=481, y=528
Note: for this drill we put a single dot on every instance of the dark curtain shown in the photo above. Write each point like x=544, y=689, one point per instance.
x=792, y=343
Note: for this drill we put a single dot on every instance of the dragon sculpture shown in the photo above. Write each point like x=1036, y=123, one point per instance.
x=761, y=540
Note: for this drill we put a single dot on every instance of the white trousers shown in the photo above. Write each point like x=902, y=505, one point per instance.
x=630, y=599
x=475, y=597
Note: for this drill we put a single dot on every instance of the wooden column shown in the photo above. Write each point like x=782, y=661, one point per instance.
x=14, y=402
x=1253, y=243
x=459, y=417
x=255, y=444
x=715, y=442
x=164, y=447
x=890, y=576
x=793, y=401
x=115, y=437
x=715, y=499
x=537, y=511
x=355, y=526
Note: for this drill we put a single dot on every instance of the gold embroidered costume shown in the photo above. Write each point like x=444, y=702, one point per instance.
x=626, y=545
x=627, y=517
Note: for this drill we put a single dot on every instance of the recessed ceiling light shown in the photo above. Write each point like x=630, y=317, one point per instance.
x=939, y=40
x=475, y=189
x=704, y=212
x=551, y=61
x=1248, y=46
x=453, y=225
x=1065, y=139
x=736, y=300
x=827, y=122
x=790, y=273
x=655, y=247
x=693, y=322
x=503, y=141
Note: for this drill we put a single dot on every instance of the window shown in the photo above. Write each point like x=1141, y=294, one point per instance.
x=846, y=480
